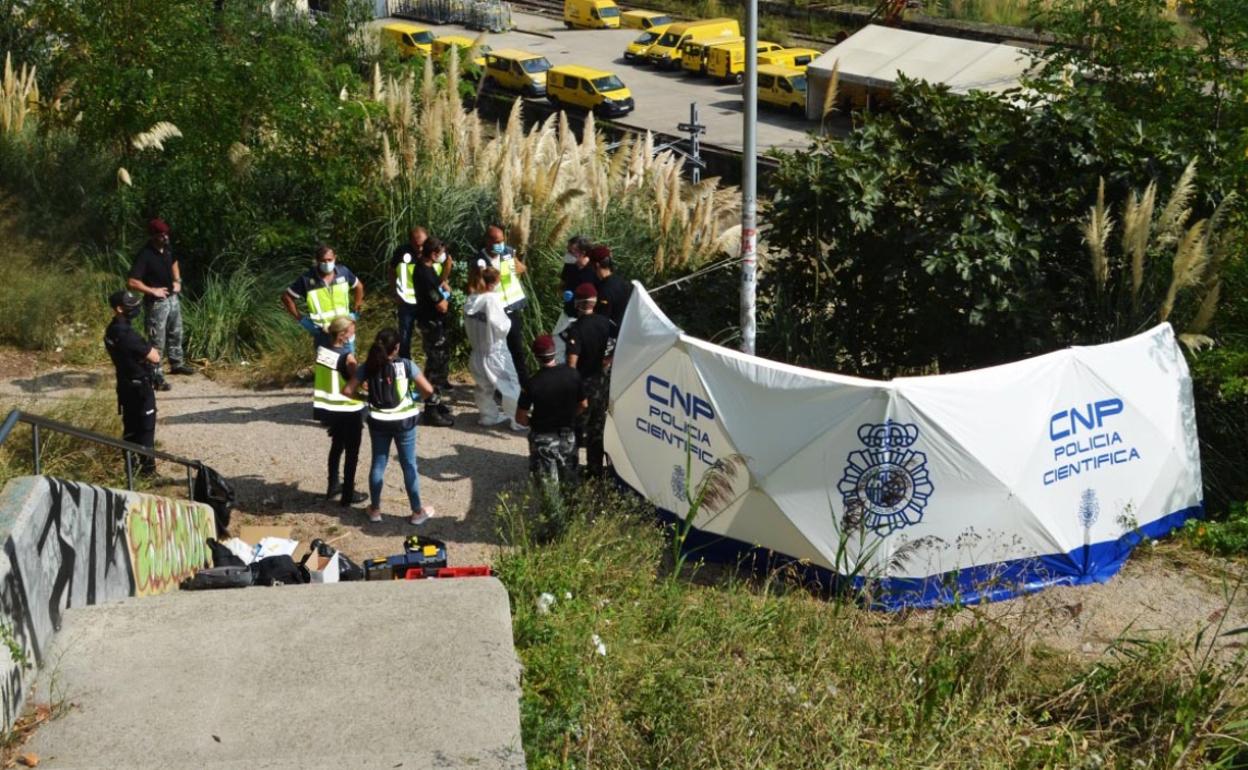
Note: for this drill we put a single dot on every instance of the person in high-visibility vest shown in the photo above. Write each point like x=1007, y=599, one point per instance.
x=406, y=258
x=498, y=255
x=342, y=416
x=327, y=291
x=393, y=412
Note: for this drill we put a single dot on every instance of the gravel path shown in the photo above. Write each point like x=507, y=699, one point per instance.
x=267, y=443
x=271, y=449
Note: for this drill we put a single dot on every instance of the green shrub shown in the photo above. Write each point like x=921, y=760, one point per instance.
x=1225, y=537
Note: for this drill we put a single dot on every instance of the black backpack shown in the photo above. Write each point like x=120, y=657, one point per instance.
x=222, y=556
x=218, y=577
x=279, y=570
x=213, y=490
x=382, y=393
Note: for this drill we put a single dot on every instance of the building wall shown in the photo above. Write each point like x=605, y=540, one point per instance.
x=68, y=544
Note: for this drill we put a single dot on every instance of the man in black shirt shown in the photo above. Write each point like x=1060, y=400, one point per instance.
x=613, y=291
x=157, y=275
x=432, y=306
x=577, y=269
x=554, y=395
x=591, y=341
x=133, y=360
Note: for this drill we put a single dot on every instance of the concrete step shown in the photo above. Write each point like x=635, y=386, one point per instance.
x=411, y=674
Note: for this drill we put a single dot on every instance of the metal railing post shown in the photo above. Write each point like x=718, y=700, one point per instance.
x=129, y=470
x=190, y=484
x=35, y=449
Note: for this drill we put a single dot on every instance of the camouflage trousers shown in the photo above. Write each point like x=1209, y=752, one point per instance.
x=164, y=330
x=592, y=422
x=552, y=456
x=437, y=350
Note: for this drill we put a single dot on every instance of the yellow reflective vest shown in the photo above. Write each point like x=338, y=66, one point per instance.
x=327, y=384
x=327, y=302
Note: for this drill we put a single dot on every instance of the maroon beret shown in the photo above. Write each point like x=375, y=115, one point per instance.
x=544, y=346
x=586, y=291
x=157, y=227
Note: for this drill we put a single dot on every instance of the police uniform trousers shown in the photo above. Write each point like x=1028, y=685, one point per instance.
x=552, y=456
x=593, y=421
x=437, y=350
x=136, y=400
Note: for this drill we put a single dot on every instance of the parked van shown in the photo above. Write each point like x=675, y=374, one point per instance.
x=591, y=14
x=782, y=87
x=644, y=19
x=412, y=39
x=590, y=89
x=667, y=50
x=465, y=44
x=693, y=56
x=797, y=58
x=726, y=61
x=516, y=70
x=637, y=49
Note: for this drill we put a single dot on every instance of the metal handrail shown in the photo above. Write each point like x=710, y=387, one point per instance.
x=129, y=449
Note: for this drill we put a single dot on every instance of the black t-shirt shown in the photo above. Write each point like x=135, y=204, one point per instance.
x=592, y=338
x=428, y=292
x=613, y=295
x=153, y=268
x=128, y=351
x=573, y=276
x=551, y=397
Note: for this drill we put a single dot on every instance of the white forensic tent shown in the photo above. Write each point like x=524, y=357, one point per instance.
x=874, y=56
x=972, y=486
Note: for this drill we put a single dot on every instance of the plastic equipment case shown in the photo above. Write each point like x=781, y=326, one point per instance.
x=426, y=554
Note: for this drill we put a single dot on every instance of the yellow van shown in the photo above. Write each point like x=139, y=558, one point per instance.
x=644, y=19
x=782, y=87
x=667, y=50
x=796, y=58
x=726, y=61
x=590, y=89
x=591, y=14
x=637, y=49
x=516, y=70
x=411, y=39
x=693, y=56
x=465, y=44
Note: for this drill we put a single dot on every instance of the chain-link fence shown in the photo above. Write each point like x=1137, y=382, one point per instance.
x=487, y=15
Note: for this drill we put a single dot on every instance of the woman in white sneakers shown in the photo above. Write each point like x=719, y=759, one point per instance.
x=389, y=382
x=487, y=324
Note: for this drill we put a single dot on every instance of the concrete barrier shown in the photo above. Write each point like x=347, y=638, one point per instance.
x=68, y=544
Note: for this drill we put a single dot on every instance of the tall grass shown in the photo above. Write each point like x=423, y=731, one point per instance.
x=237, y=315
x=626, y=665
x=65, y=456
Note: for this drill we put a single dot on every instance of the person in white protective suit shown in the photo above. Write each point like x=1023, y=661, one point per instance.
x=487, y=324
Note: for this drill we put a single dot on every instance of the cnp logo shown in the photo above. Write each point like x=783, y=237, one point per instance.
x=671, y=396
x=1069, y=422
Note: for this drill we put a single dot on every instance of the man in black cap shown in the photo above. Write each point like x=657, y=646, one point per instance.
x=591, y=341
x=613, y=291
x=554, y=396
x=134, y=359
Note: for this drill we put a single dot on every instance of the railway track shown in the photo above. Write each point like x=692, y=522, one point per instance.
x=850, y=17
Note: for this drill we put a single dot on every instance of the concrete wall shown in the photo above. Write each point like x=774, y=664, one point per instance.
x=68, y=544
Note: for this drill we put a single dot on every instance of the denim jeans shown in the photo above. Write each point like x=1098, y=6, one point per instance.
x=164, y=330
x=405, y=444
x=407, y=320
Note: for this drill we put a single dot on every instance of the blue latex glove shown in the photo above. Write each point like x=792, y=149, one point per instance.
x=353, y=316
x=310, y=327
x=567, y=295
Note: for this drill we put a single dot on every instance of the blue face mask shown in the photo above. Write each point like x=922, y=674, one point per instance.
x=325, y=267
x=498, y=248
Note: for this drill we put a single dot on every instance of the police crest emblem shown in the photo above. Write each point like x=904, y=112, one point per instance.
x=886, y=485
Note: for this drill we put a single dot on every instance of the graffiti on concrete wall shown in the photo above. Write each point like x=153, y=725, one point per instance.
x=72, y=545
x=168, y=542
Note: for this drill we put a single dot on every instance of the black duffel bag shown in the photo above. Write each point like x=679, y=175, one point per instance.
x=213, y=490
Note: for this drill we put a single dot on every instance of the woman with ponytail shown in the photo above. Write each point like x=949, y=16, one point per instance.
x=394, y=387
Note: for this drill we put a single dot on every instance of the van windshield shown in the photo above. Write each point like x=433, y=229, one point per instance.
x=668, y=40
x=534, y=66
x=655, y=21
x=799, y=82
x=646, y=39
x=607, y=83
x=610, y=12
x=423, y=37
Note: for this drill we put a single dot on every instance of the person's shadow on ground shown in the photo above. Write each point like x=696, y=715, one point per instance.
x=59, y=380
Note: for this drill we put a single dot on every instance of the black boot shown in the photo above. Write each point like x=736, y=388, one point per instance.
x=335, y=489
x=350, y=497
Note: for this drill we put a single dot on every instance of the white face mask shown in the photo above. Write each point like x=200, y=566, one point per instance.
x=325, y=267
x=440, y=258
x=569, y=258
